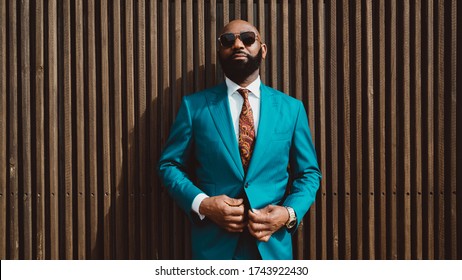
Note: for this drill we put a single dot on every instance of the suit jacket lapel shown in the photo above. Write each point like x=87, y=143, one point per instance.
x=218, y=103
x=268, y=106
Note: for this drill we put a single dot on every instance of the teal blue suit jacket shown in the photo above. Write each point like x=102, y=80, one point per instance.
x=202, y=156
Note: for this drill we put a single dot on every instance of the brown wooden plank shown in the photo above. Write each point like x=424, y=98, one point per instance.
x=359, y=137
x=298, y=94
x=370, y=133
x=211, y=69
x=383, y=248
x=322, y=128
x=285, y=48
x=106, y=133
x=52, y=118
x=225, y=12
x=453, y=133
x=67, y=123
x=13, y=135
x=312, y=93
x=430, y=133
x=272, y=47
x=120, y=238
x=39, y=66
x=261, y=28
x=346, y=129
x=249, y=8
x=92, y=148
x=80, y=130
x=131, y=137
x=440, y=163
x=3, y=130
x=154, y=126
x=237, y=10
x=407, y=129
x=418, y=128
x=200, y=83
x=393, y=134
x=166, y=234
x=26, y=195
x=141, y=123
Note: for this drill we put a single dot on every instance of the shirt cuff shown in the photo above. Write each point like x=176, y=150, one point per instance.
x=197, y=202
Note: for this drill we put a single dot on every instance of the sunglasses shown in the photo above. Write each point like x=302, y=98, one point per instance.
x=227, y=39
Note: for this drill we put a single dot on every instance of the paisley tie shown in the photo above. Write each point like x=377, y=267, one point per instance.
x=246, y=130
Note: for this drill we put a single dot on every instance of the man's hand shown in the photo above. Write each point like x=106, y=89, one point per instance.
x=264, y=222
x=225, y=211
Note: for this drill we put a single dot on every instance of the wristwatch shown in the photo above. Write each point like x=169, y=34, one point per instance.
x=292, y=221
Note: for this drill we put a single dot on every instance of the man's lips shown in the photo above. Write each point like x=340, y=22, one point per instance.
x=239, y=56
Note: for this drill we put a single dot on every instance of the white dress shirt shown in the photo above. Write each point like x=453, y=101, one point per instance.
x=235, y=106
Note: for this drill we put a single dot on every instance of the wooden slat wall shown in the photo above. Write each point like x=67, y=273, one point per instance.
x=89, y=90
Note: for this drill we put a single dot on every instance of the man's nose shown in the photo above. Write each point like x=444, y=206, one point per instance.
x=238, y=44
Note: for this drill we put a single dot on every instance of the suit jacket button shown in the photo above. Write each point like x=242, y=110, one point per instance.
x=246, y=185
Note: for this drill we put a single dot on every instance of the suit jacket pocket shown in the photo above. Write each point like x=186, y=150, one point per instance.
x=281, y=136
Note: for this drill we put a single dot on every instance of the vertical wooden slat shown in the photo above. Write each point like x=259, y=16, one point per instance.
x=39, y=66
x=418, y=128
x=322, y=128
x=120, y=237
x=3, y=130
x=359, y=137
x=225, y=12
x=261, y=28
x=212, y=45
x=178, y=232
x=370, y=133
x=200, y=84
x=383, y=248
x=189, y=88
x=333, y=127
x=92, y=135
x=106, y=133
x=13, y=136
x=26, y=133
x=393, y=135
x=165, y=89
x=407, y=128
x=346, y=128
x=130, y=122
x=297, y=93
x=80, y=131
x=310, y=42
x=440, y=164
x=237, y=10
x=249, y=8
x=430, y=133
x=453, y=133
x=53, y=130
x=285, y=47
x=272, y=48
x=141, y=91
x=153, y=119
x=67, y=127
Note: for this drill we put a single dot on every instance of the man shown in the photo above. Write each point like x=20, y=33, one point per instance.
x=240, y=160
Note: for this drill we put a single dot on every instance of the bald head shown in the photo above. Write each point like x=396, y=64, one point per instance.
x=238, y=25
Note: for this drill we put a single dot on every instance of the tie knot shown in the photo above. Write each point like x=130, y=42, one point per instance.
x=243, y=92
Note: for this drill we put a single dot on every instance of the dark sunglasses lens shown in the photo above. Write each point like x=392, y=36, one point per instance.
x=227, y=40
x=248, y=38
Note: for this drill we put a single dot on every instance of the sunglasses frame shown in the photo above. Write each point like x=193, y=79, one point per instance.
x=238, y=35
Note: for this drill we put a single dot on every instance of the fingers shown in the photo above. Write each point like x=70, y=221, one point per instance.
x=234, y=201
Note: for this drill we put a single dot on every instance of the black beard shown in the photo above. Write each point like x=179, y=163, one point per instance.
x=238, y=70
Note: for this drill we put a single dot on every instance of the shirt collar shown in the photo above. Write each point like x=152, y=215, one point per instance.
x=254, y=87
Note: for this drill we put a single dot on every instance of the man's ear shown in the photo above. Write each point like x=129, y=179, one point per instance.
x=263, y=51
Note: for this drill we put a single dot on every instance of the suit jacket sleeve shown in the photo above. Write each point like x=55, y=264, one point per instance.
x=176, y=158
x=304, y=168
